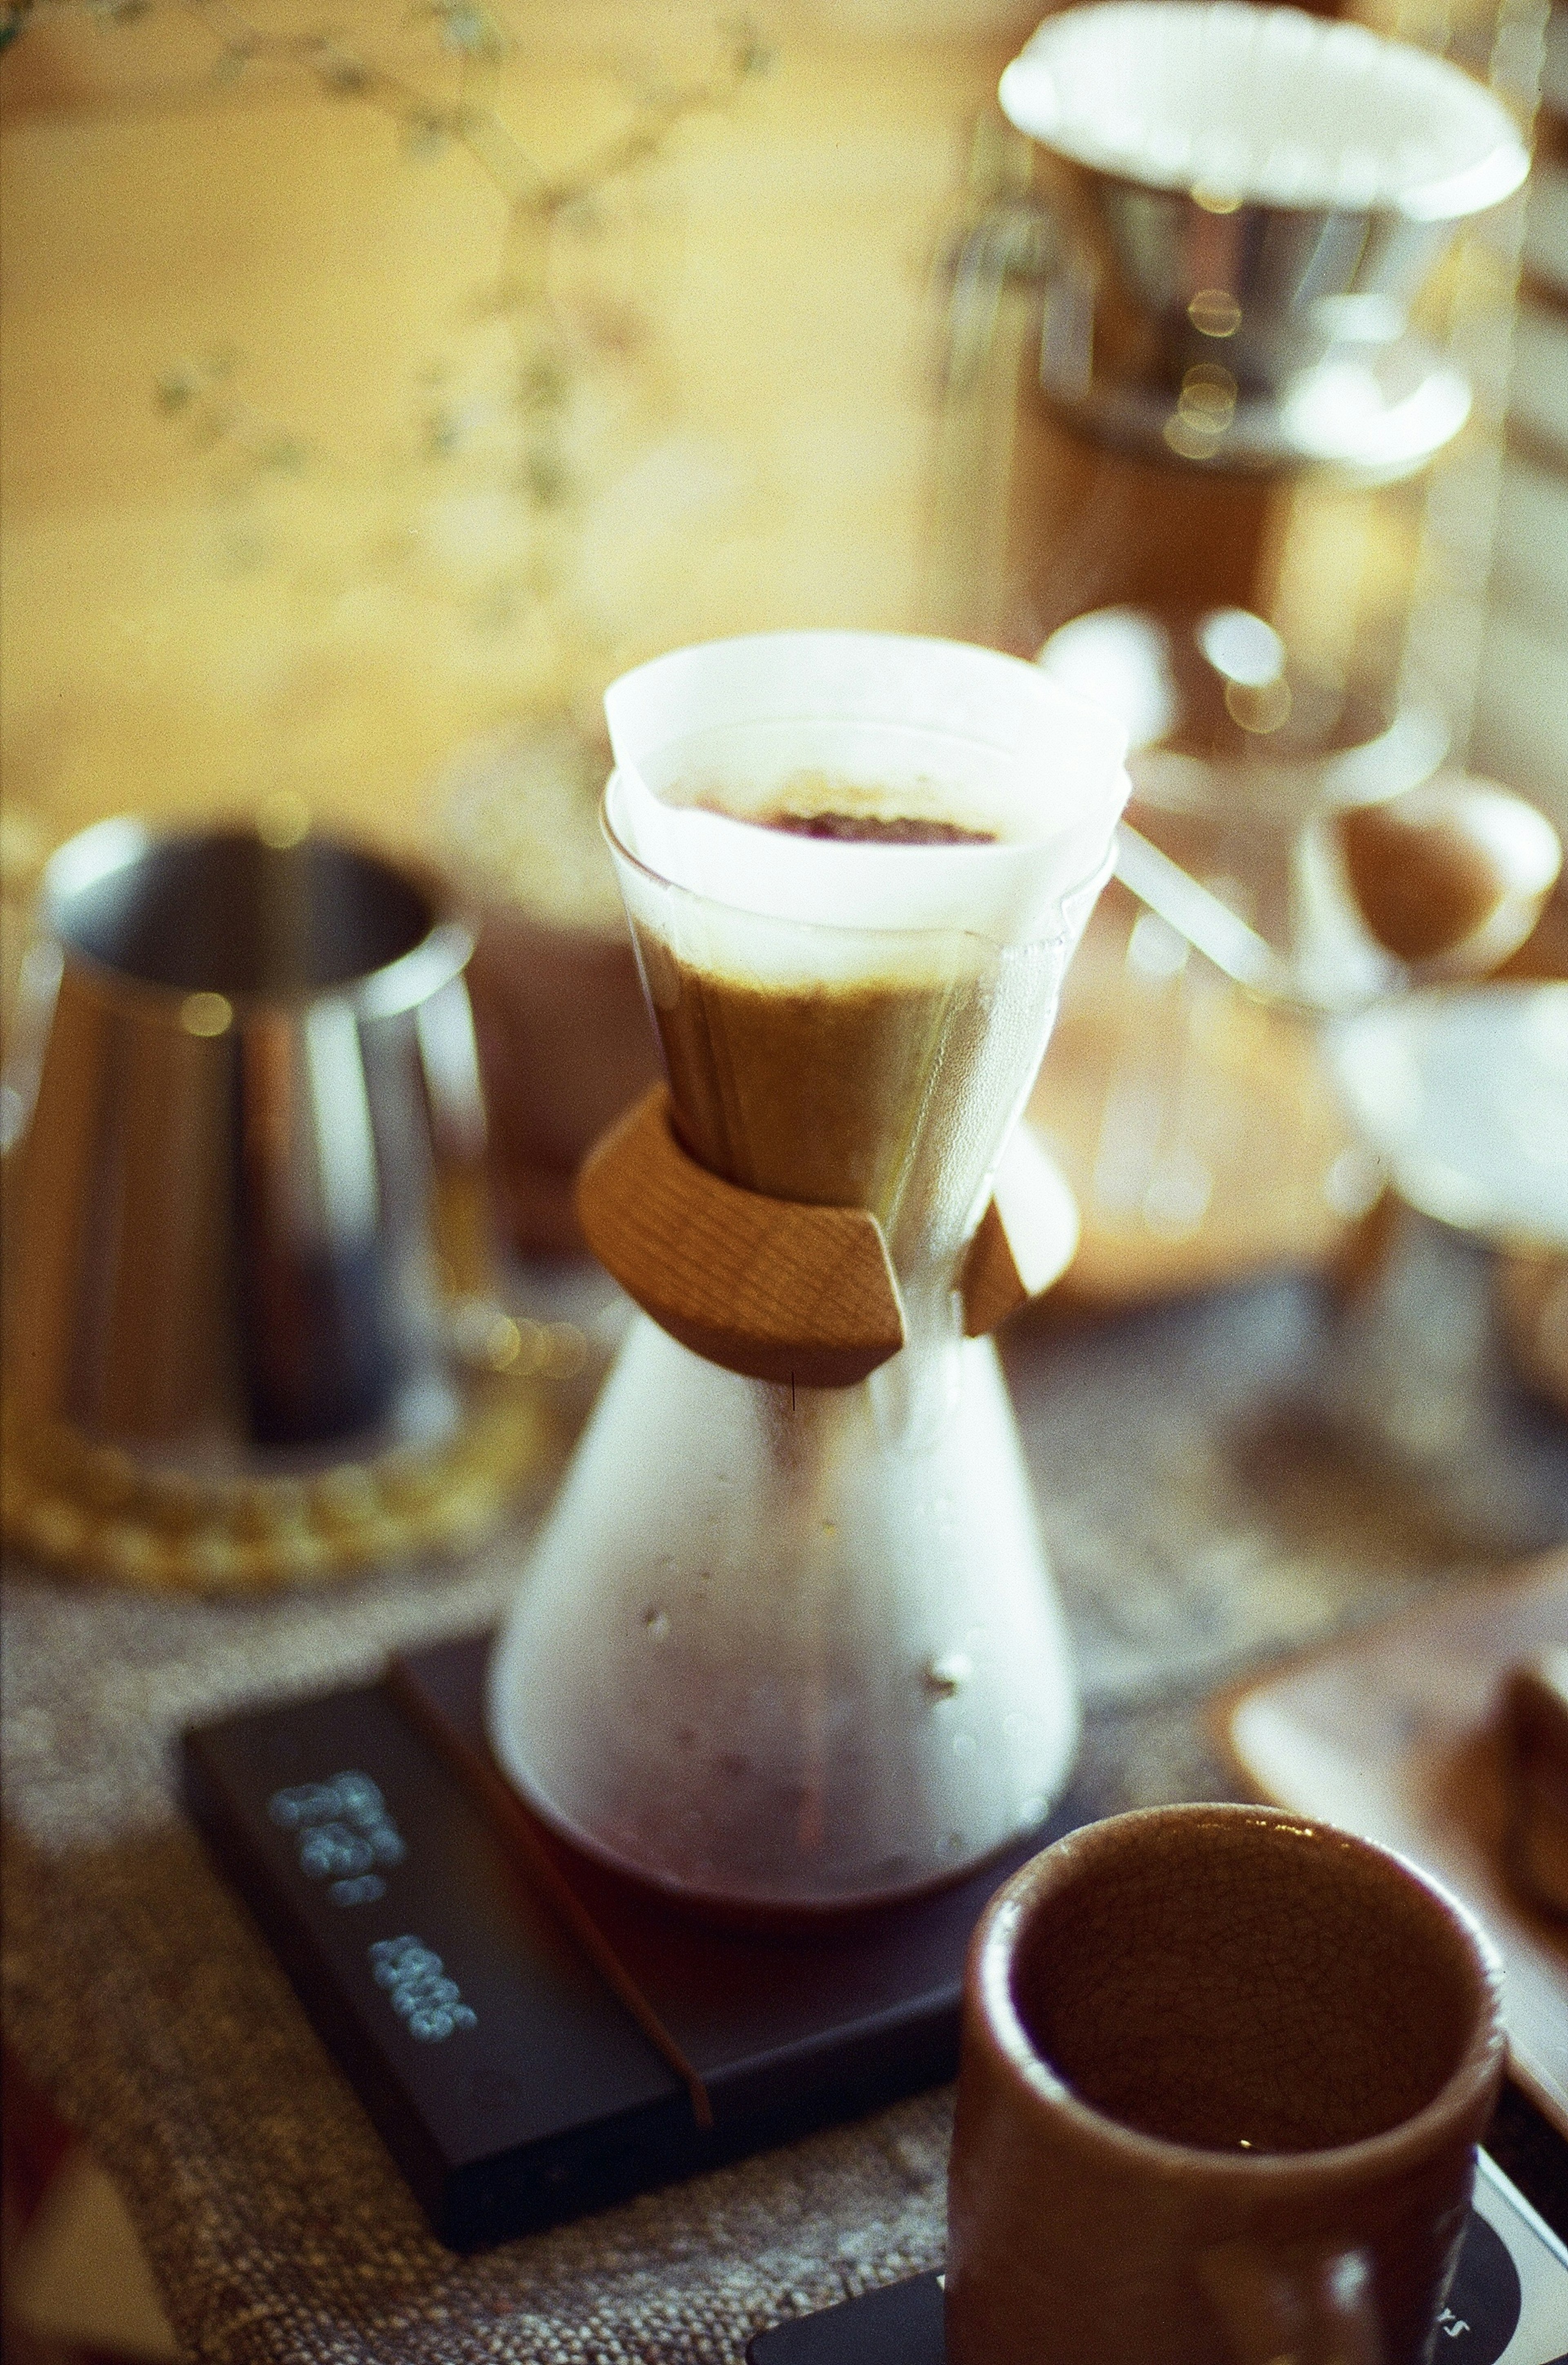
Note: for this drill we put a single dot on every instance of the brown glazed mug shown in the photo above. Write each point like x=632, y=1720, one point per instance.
x=1224, y=2072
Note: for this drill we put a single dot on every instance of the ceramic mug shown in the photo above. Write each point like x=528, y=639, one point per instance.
x=1224, y=2072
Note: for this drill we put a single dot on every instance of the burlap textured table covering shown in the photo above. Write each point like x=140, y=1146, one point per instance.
x=1220, y=1481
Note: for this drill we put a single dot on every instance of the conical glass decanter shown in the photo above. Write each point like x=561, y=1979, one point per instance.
x=784, y=1648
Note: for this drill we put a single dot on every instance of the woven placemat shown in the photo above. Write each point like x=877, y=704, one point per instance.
x=1221, y=1482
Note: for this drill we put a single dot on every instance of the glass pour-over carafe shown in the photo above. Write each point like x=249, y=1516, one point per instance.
x=791, y=1648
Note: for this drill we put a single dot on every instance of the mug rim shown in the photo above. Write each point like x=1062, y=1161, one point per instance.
x=386, y=990
x=990, y=2001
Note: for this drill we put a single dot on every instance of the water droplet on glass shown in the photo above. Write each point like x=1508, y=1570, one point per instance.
x=945, y=1675
x=964, y=1745
x=656, y=1623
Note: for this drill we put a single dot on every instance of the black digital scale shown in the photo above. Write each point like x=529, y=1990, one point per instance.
x=533, y=2038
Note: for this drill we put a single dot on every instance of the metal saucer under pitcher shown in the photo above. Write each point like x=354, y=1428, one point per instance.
x=250, y=1336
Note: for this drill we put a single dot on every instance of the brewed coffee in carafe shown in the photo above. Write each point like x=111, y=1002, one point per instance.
x=789, y=1648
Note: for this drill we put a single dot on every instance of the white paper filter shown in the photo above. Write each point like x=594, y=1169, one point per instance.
x=1272, y=105
x=946, y=731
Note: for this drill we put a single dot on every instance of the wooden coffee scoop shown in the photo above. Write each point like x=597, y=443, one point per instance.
x=780, y=1291
x=1448, y=879
x=1451, y=876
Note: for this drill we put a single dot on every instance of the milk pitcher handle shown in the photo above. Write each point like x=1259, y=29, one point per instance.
x=1018, y=237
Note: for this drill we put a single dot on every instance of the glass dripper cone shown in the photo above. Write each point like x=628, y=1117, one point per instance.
x=796, y=1649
